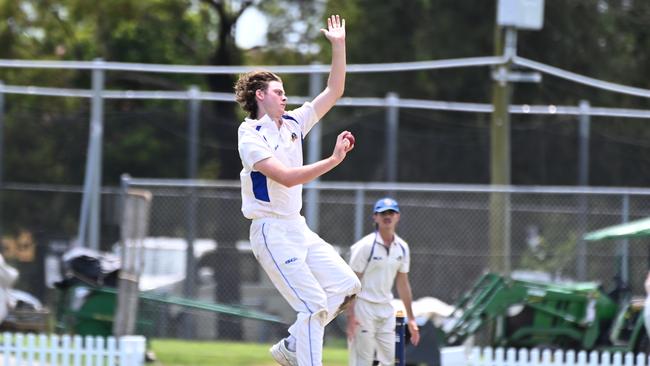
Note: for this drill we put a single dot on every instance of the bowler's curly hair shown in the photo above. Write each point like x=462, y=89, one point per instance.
x=246, y=86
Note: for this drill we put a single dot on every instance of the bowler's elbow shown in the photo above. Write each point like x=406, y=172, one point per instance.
x=289, y=183
x=286, y=179
x=338, y=94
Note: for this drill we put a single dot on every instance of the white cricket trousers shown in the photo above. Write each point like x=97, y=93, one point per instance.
x=374, y=336
x=309, y=274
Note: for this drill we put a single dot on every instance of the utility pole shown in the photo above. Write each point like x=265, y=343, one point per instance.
x=511, y=15
x=500, y=154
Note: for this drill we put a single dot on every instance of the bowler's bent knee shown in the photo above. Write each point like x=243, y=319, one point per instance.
x=321, y=316
x=354, y=287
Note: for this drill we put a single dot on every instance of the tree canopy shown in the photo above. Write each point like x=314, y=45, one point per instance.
x=47, y=137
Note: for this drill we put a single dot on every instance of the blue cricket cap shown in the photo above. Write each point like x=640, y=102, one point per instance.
x=386, y=204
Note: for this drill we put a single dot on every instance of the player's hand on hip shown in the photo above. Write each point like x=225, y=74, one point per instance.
x=352, y=327
x=335, y=31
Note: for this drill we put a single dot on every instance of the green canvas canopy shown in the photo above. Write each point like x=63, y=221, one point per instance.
x=633, y=229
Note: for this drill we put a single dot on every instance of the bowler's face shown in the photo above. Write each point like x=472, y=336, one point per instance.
x=273, y=99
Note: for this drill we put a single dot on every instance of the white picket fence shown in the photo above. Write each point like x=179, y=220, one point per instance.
x=536, y=357
x=19, y=349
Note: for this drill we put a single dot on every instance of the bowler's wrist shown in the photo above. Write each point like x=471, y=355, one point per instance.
x=335, y=159
x=338, y=44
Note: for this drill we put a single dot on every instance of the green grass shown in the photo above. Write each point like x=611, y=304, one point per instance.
x=185, y=353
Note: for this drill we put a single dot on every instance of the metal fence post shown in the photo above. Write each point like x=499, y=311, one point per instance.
x=189, y=284
x=192, y=167
x=583, y=181
x=313, y=155
x=392, y=122
x=358, y=214
x=89, y=220
x=193, y=132
x=623, y=244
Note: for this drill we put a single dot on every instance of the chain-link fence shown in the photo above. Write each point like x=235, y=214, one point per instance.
x=446, y=226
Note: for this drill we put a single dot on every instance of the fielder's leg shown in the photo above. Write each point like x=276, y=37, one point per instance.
x=362, y=345
x=385, y=335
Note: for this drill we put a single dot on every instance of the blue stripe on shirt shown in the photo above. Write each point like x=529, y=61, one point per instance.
x=286, y=116
x=260, y=188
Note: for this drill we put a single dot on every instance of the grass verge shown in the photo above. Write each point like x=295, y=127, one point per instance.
x=173, y=352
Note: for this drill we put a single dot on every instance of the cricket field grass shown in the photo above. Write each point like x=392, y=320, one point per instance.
x=173, y=352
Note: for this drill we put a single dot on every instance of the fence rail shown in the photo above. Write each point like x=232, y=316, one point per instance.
x=30, y=350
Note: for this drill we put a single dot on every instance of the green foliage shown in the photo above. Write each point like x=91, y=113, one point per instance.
x=45, y=138
x=124, y=30
x=604, y=39
x=601, y=39
x=400, y=31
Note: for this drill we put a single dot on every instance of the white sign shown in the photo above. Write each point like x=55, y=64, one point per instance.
x=521, y=14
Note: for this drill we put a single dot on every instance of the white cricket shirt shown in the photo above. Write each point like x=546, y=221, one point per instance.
x=379, y=265
x=260, y=139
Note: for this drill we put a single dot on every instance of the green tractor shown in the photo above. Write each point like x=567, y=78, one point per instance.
x=537, y=314
x=524, y=313
x=88, y=297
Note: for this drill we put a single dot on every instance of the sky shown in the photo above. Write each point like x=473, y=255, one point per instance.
x=251, y=29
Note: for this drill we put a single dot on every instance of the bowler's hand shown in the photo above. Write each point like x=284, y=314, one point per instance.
x=342, y=147
x=335, y=31
x=415, y=332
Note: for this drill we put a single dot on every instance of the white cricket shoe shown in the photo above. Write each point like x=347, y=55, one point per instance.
x=282, y=355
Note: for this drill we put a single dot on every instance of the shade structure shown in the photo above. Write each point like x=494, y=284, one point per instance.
x=633, y=229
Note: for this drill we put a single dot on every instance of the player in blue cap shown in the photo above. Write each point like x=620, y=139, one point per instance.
x=379, y=259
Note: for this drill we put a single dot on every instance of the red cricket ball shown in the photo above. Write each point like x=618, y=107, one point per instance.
x=350, y=138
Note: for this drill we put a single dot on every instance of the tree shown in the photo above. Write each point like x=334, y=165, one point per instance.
x=601, y=39
x=187, y=32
